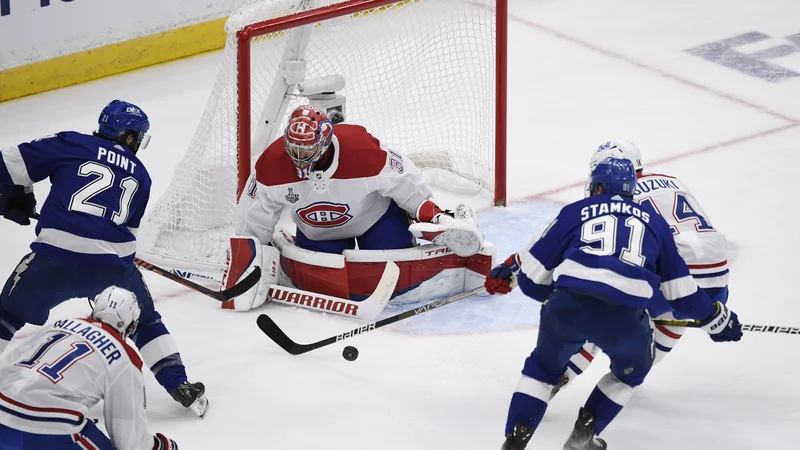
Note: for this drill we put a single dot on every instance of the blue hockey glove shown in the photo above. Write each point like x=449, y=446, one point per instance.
x=501, y=280
x=162, y=442
x=18, y=208
x=723, y=325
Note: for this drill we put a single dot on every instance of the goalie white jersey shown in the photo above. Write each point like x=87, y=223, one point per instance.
x=48, y=385
x=704, y=249
x=343, y=201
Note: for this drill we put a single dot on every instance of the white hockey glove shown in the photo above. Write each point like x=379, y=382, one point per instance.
x=457, y=230
x=246, y=253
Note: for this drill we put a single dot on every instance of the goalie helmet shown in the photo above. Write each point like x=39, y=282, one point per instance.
x=618, y=149
x=119, y=119
x=616, y=175
x=307, y=137
x=118, y=308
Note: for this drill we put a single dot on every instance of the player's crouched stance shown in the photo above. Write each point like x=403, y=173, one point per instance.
x=51, y=380
x=86, y=233
x=595, y=267
x=343, y=187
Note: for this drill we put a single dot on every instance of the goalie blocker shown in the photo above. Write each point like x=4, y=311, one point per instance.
x=343, y=282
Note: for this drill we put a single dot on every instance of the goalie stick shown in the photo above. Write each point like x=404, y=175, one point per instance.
x=226, y=294
x=745, y=327
x=271, y=329
x=367, y=309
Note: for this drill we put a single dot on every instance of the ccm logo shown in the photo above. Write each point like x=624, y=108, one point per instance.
x=325, y=215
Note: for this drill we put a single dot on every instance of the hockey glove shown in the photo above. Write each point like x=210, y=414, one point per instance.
x=502, y=278
x=457, y=230
x=18, y=208
x=161, y=442
x=723, y=325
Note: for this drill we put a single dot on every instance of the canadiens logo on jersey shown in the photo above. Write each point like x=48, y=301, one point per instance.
x=325, y=215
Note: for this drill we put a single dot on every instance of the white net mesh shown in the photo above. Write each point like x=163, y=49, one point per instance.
x=420, y=76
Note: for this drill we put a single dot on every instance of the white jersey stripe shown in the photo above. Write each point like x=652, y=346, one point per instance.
x=534, y=270
x=630, y=286
x=681, y=287
x=79, y=244
x=12, y=158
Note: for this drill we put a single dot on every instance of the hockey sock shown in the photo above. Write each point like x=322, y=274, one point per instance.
x=607, y=400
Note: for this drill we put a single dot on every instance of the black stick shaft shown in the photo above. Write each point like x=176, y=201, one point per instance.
x=271, y=329
x=227, y=294
x=776, y=329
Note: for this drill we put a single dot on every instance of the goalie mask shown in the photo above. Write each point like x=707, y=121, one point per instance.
x=307, y=137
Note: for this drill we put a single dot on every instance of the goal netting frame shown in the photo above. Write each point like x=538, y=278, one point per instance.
x=186, y=230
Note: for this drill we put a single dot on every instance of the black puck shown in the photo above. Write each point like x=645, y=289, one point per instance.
x=350, y=353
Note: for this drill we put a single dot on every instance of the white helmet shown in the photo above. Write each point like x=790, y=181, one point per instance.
x=617, y=149
x=118, y=308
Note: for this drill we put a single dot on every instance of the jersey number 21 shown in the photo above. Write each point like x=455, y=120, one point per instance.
x=81, y=200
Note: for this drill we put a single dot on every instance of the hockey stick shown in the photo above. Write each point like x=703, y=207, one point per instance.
x=745, y=327
x=271, y=329
x=226, y=294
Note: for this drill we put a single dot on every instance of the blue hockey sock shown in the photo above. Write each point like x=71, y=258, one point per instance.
x=603, y=408
x=525, y=409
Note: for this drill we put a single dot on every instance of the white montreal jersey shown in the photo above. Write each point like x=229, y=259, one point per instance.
x=704, y=249
x=48, y=384
x=343, y=201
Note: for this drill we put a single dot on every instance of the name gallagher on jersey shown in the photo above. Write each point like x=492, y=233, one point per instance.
x=321, y=303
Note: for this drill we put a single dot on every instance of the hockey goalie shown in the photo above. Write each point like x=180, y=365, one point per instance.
x=356, y=205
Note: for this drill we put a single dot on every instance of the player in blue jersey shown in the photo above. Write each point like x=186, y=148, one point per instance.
x=86, y=233
x=595, y=267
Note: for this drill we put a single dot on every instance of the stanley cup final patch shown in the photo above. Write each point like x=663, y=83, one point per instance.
x=291, y=197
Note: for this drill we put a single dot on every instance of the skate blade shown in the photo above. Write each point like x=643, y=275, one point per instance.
x=200, y=406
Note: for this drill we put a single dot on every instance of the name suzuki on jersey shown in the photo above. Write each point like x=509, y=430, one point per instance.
x=600, y=209
x=654, y=184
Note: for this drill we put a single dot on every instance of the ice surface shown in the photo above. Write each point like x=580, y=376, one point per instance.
x=581, y=72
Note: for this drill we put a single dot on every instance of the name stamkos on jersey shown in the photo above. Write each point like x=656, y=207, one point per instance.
x=325, y=214
x=600, y=209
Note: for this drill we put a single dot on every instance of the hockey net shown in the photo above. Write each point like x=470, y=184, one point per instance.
x=423, y=76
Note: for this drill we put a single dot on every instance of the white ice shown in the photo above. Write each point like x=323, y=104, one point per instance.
x=580, y=72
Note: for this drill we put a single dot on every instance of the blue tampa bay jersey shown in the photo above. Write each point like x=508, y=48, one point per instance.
x=614, y=249
x=98, y=195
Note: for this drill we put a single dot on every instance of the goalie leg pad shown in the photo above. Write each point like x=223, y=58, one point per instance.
x=246, y=255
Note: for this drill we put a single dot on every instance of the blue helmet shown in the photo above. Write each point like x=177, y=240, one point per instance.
x=616, y=175
x=119, y=118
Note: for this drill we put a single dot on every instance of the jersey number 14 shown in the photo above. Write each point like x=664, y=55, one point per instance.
x=105, y=179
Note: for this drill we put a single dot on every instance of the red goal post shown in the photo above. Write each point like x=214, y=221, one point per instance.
x=425, y=77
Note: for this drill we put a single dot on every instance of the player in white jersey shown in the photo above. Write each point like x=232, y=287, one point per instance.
x=342, y=188
x=702, y=246
x=51, y=380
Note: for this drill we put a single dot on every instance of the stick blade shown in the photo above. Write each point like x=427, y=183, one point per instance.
x=273, y=331
x=242, y=286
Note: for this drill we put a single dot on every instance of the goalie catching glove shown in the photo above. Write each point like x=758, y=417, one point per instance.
x=457, y=230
